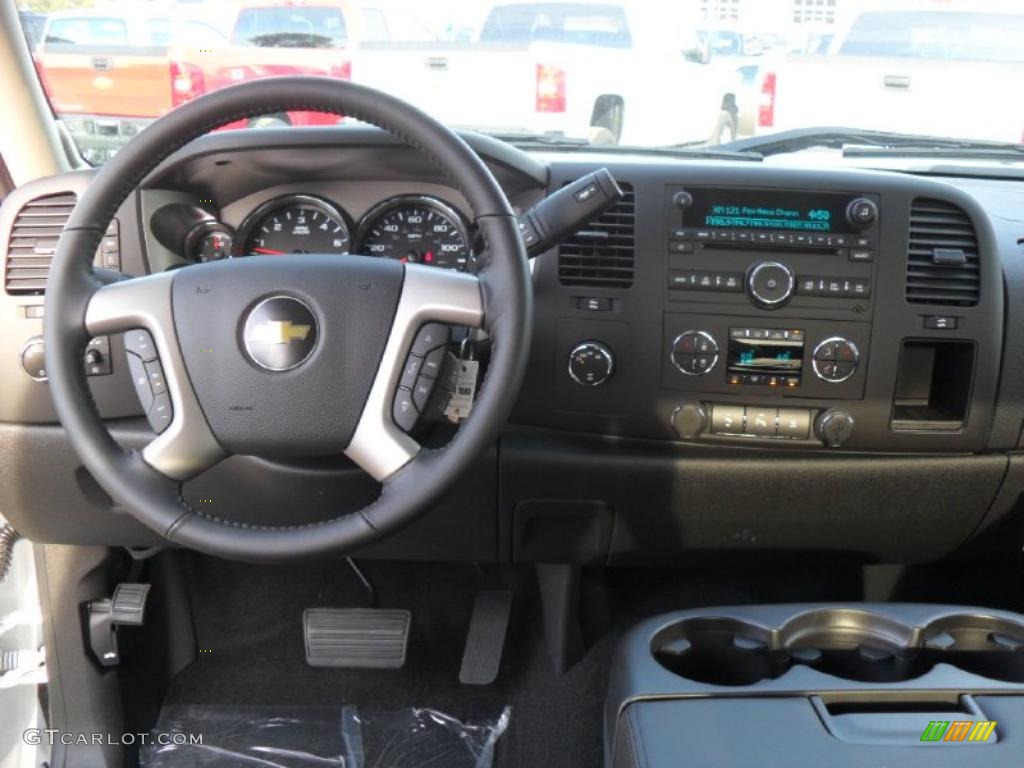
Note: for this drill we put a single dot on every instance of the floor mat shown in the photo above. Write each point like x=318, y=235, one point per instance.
x=318, y=737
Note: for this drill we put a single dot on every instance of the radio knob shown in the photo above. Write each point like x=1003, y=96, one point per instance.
x=834, y=428
x=770, y=284
x=591, y=364
x=861, y=213
x=694, y=353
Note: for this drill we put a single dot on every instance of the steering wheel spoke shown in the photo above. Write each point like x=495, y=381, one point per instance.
x=185, y=446
x=379, y=446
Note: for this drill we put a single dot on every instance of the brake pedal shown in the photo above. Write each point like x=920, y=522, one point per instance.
x=362, y=638
x=486, y=639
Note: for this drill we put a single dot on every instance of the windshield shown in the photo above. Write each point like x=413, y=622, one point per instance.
x=617, y=75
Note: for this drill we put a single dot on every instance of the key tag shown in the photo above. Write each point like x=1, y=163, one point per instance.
x=464, y=390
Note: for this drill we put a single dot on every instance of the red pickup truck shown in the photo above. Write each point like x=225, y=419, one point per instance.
x=109, y=73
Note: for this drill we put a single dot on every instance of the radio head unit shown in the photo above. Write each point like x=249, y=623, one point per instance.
x=778, y=210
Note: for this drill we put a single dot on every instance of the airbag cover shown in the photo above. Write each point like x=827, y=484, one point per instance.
x=288, y=376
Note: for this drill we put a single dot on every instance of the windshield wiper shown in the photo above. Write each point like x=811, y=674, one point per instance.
x=858, y=142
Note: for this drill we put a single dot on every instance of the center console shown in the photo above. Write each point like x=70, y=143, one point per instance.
x=805, y=310
x=793, y=685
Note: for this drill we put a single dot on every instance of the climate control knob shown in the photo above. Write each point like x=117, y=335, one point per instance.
x=835, y=359
x=694, y=353
x=770, y=284
x=591, y=364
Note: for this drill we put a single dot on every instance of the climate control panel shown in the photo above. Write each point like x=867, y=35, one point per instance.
x=728, y=354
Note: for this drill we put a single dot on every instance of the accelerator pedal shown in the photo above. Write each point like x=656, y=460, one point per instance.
x=362, y=638
x=486, y=640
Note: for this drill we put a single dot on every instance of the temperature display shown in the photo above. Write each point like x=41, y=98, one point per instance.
x=766, y=350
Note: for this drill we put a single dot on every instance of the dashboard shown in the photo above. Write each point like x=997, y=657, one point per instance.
x=778, y=359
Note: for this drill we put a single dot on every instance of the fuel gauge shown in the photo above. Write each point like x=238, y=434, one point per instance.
x=209, y=241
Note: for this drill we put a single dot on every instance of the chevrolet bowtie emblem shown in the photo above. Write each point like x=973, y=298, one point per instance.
x=279, y=332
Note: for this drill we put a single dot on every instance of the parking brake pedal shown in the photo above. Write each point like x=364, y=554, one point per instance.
x=364, y=638
x=127, y=608
x=487, y=628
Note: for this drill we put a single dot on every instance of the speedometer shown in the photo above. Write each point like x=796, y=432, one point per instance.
x=416, y=229
x=294, y=224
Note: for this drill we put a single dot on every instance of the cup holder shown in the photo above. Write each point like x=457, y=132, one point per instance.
x=984, y=645
x=719, y=652
x=846, y=643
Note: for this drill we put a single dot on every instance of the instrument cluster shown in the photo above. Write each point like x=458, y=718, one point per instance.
x=411, y=228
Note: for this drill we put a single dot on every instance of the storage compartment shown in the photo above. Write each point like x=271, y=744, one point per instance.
x=933, y=385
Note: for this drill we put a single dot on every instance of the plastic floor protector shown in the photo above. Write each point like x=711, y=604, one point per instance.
x=301, y=737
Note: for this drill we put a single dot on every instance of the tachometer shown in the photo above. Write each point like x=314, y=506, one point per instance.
x=417, y=229
x=294, y=224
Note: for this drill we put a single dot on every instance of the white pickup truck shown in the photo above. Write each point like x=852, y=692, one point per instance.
x=940, y=72
x=632, y=73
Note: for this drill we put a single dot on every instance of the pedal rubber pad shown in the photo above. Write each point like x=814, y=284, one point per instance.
x=487, y=628
x=363, y=638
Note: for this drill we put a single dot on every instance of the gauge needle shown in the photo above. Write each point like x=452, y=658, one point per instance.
x=267, y=251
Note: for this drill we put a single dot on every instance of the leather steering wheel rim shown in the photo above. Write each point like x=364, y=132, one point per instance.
x=78, y=306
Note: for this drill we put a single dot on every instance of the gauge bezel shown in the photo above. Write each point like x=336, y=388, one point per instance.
x=430, y=201
x=195, y=235
x=265, y=209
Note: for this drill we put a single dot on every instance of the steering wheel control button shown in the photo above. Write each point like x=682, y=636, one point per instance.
x=140, y=380
x=834, y=428
x=835, y=360
x=140, y=343
x=161, y=413
x=280, y=333
x=422, y=391
x=694, y=353
x=156, y=377
x=410, y=372
x=862, y=213
x=770, y=284
x=591, y=364
x=433, y=362
x=727, y=419
x=404, y=410
x=430, y=337
x=33, y=359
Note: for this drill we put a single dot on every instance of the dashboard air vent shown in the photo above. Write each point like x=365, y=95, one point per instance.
x=33, y=241
x=601, y=254
x=942, y=259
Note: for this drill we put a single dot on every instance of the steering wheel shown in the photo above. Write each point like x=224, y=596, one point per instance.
x=301, y=354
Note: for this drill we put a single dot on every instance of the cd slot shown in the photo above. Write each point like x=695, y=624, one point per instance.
x=810, y=249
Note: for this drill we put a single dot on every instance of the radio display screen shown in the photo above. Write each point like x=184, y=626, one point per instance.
x=760, y=353
x=778, y=210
